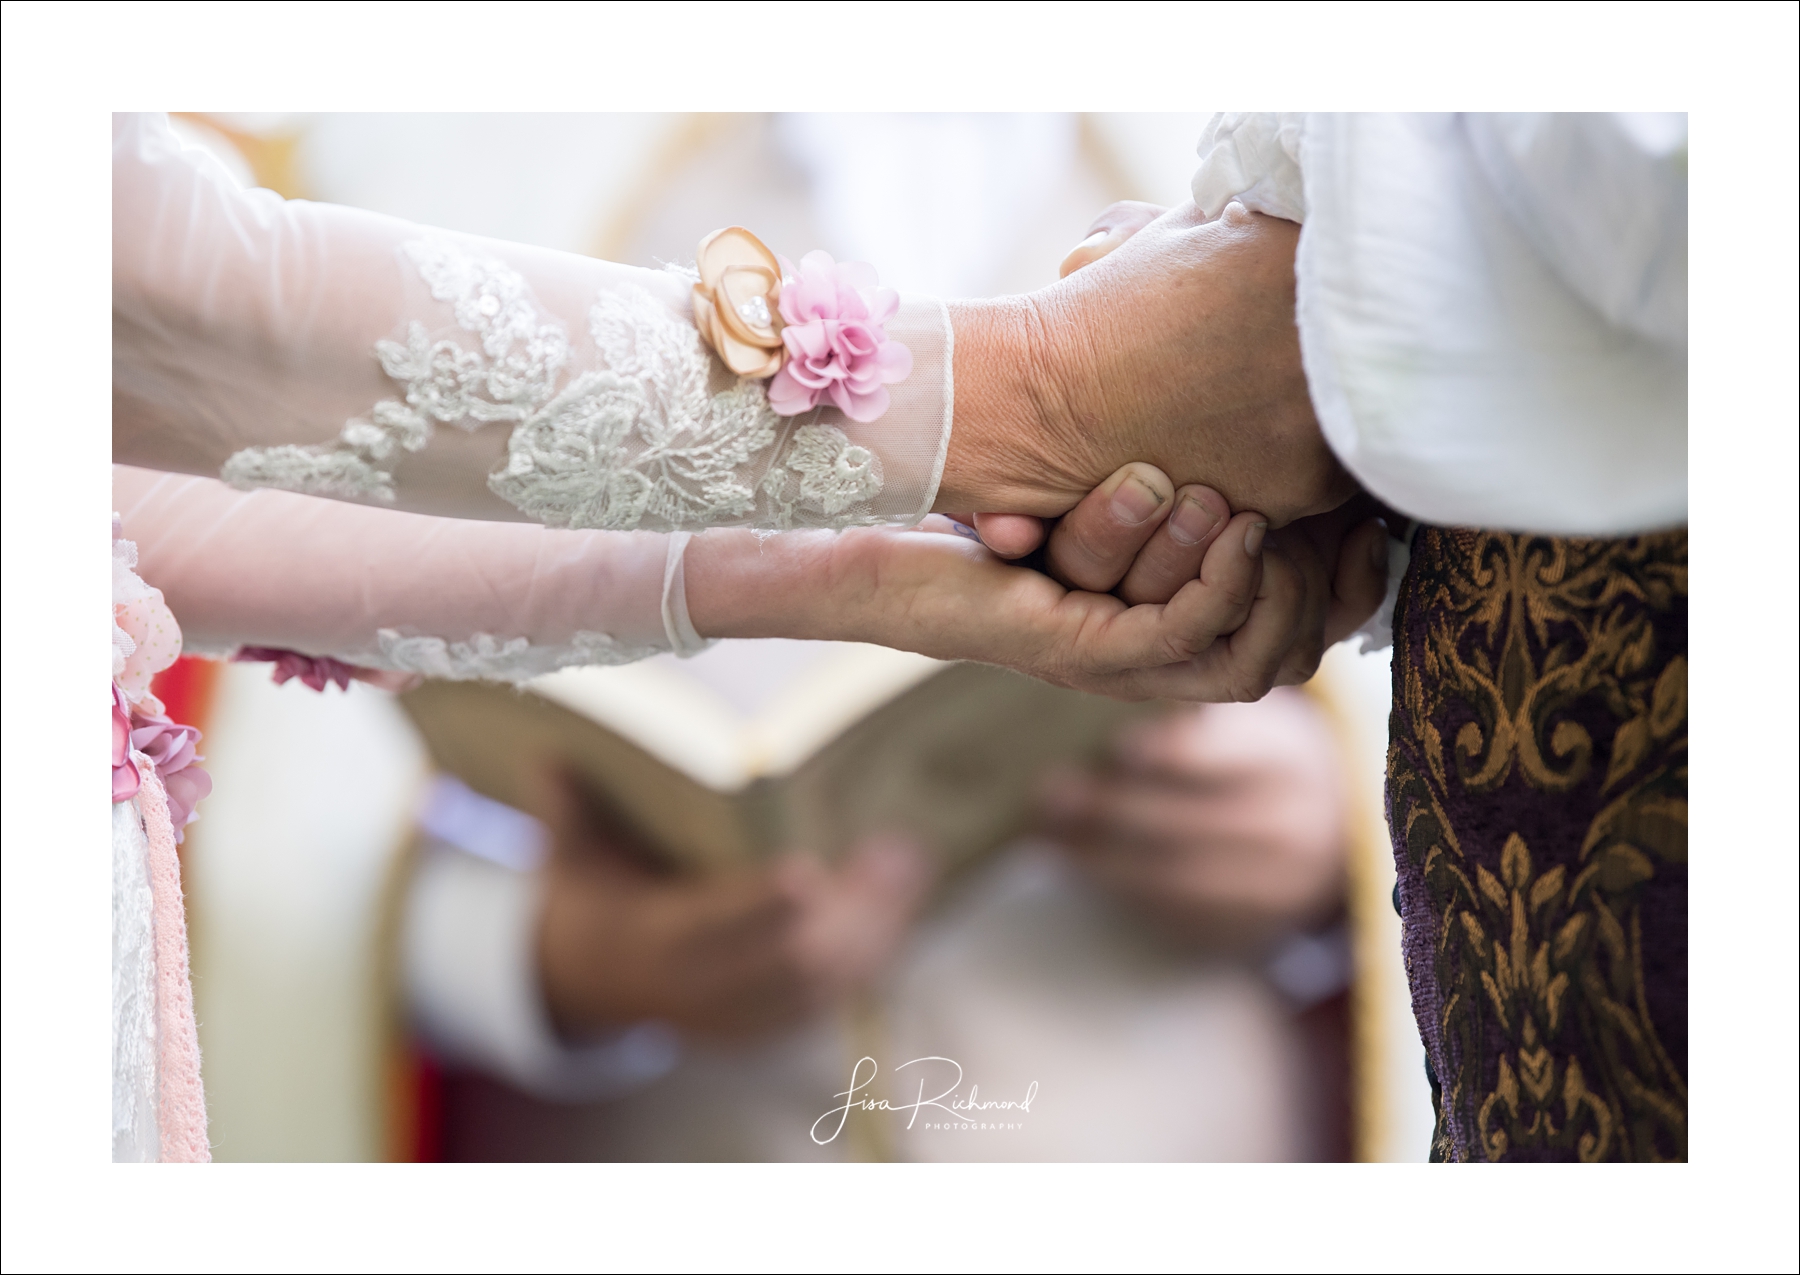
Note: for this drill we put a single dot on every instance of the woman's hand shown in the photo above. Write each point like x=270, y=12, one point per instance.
x=1223, y=635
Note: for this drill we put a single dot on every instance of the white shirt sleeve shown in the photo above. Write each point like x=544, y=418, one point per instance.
x=1492, y=309
x=468, y=966
x=336, y=352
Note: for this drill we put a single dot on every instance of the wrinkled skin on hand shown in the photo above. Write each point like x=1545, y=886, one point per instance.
x=1139, y=537
x=1335, y=563
x=1177, y=347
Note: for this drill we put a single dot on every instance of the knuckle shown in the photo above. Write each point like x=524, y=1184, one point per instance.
x=1246, y=686
x=1237, y=595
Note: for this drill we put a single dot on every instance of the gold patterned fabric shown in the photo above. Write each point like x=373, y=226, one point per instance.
x=1537, y=794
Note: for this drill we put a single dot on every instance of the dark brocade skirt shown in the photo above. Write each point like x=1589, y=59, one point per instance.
x=1537, y=793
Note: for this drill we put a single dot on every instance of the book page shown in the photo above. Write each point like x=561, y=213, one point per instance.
x=741, y=710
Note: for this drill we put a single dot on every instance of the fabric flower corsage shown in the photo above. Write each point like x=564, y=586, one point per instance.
x=316, y=671
x=125, y=777
x=737, y=300
x=320, y=671
x=146, y=640
x=170, y=748
x=818, y=330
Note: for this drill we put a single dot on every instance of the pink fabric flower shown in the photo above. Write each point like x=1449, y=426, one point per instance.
x=320, y=671
x=126, y=779
x=316, y=671
x=170, y=748
x=837, y=347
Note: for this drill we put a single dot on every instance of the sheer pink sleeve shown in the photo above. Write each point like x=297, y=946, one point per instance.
x=335, y=352
x=384, y=589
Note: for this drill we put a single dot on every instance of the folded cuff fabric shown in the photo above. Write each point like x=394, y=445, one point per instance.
x=1492, y=309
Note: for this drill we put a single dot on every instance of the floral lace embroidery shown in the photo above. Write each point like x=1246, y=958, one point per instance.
x=316, y=471
x=833, y=473
x=489, y=658
x=637, y=443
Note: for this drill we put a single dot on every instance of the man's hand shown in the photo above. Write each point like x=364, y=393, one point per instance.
x=1223, y=635
x=1137, y=537
x=1177, y=348
x=622, y=938
x=1224, y=824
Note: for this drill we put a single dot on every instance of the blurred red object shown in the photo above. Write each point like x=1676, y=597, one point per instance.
x=186, y=689
x=416, y=1105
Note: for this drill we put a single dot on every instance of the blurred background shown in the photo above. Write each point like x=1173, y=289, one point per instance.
x=349, y=909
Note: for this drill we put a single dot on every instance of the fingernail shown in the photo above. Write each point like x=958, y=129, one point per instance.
x=1191, y=522
x=1254, y=537
x=1378, y=554
x=1092, y=239
x=1135, y=500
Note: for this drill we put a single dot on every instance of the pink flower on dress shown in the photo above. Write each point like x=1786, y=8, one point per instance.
x=170, y=748
x=837, y=347
x=320, y=671
x=316, y=671
x=126, y=779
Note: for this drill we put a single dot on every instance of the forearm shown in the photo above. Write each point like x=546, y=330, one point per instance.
x=798, y=585
x=334, y=352
x=934, y=594
x=379, y=588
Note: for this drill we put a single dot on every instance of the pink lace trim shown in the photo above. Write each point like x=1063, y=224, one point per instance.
x=181, y=1100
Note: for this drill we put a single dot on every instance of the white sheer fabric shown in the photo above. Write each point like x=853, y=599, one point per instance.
x=443, y=597
x=1492, y=308
x=340, y=353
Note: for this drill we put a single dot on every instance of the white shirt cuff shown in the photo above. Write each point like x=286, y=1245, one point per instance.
x=471, y=976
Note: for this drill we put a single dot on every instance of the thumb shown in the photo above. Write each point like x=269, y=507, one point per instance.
x=1106, y=232
x=1010, y=535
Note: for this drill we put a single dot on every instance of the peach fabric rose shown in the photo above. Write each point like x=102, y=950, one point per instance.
x=736, y=300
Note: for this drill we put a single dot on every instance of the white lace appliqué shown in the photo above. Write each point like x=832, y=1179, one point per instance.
x=638, y=442
x=489, y=658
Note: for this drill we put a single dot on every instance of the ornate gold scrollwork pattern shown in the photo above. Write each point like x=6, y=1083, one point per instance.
x=1535, y=845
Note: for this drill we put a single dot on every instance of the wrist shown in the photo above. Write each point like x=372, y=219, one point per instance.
x=794, y=585
x=1005, y=453
x=913, y=591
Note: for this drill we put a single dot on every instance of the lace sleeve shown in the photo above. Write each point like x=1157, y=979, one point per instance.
x=445, y=598
x=334, y=352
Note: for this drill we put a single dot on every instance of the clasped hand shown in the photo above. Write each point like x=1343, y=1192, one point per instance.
x=1225, y=289
x=1168, y=348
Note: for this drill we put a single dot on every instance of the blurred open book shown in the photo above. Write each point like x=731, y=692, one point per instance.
x=753, y=748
